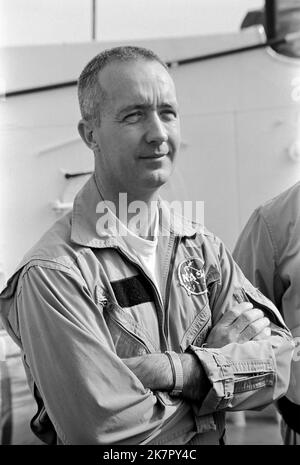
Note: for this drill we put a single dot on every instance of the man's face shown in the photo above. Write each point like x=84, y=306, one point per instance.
x=139, y=134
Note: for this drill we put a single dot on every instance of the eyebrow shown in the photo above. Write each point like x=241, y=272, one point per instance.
x=143, y=106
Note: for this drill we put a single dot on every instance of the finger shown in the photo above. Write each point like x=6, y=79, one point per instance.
x=246, y=318
x=254, y=328
x=264, y=334
x=233, y=313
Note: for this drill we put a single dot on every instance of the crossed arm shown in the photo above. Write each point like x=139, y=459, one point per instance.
x=240, y=324
x=83, y=398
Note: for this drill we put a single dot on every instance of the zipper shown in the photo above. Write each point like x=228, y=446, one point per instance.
x=272, y=317
x=132, y=335
x=168, y=288
x=201, y=330
x=157, y=300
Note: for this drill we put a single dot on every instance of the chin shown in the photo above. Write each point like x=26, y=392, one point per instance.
x=159, y=177
x=157, y=180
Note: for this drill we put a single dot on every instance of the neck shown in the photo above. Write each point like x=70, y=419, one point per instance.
x=136, y=212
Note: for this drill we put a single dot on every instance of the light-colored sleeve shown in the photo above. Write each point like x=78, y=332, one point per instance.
x=90, y=395
x=278, y=277
x=249, y=375
x=255, y=253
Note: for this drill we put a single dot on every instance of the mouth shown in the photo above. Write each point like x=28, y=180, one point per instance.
x=159, y=152
x=154, y=156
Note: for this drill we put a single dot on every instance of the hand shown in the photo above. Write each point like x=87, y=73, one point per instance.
x=240, y=324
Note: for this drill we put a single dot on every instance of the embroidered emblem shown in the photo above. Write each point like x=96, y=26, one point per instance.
x=192, y=277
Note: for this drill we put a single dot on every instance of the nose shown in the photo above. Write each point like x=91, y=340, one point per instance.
x=156, y=131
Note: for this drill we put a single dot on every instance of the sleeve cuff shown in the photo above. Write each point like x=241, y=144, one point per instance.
x=219, y=371
x=233, y=382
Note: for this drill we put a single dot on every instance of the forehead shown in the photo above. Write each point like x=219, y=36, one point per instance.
x=138, y=80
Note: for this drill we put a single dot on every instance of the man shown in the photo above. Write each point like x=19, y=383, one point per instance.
x=138, y=329
x=268, y=251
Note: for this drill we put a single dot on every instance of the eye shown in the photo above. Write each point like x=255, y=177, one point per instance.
x=168, y=114
x=133, y=117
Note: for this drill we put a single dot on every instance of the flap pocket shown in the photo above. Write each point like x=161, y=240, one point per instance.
x=248, y=293
x=197, y=332
x=129, y=338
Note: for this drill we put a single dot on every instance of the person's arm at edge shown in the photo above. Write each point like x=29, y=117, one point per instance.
x=256, y=254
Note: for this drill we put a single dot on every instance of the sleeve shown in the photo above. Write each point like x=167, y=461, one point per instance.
x=249, y=375
x=257, y=254
x=90, y=396
x=259, y=267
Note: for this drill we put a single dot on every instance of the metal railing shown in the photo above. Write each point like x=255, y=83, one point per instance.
x=268, y=43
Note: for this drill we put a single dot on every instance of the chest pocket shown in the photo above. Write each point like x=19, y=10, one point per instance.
x=130, y=339
x=199, y=329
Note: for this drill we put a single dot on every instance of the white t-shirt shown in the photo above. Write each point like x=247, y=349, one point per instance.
x=143, y=250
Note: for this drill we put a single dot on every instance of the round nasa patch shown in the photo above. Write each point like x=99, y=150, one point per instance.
x=192, y=277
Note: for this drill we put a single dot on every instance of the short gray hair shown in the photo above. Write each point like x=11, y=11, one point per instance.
x=90, y=94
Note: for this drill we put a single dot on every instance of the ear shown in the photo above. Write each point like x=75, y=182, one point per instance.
x=86, y=131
